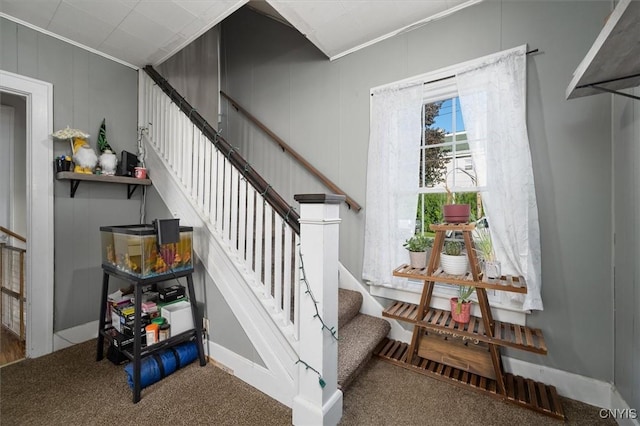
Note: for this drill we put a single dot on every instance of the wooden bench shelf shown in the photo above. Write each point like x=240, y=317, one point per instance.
x=518, y=390
x=505, y=283
x=438, y=320
x=467, y=354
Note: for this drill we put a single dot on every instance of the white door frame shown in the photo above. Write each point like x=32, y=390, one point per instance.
x=39, y=169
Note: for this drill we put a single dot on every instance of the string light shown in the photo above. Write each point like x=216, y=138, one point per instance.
x=303, y=278
x=320, y=379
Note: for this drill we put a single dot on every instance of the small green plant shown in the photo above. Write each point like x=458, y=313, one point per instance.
x=464, y=293
x=453, y=248
x=484, y=245
x=418, y=243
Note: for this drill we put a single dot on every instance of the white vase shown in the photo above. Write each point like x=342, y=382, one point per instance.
x=492, y=269
x=418, y=259
x=454, y=265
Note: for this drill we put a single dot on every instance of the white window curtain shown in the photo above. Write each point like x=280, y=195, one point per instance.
x=493, y=102
x=392, y=177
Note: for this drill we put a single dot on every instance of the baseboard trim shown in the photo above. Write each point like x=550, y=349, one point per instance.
x=581, y=388
x=74, y=335
x=618, y=403
x=251, y=373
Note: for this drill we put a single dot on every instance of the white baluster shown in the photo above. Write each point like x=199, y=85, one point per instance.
x=233, y=226
x=208, y=158
x=259, y=238
x=242, y=217
x=277, y=262
x=251, y=234
x=268, y=251
x=296, y=287
x=220, y=192
x=226, y=214
x=286, y=287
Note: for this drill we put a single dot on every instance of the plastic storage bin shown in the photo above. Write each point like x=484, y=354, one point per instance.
x=178, y=316
x=133, y=249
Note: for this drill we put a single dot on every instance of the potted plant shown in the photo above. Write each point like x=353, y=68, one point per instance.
x=461, y=305
x=453, y=259
x=484, y=247
x=454, y=213
x=419, y=247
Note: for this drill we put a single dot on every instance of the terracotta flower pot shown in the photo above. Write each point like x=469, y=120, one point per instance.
x=464, y=314
x=456, y=213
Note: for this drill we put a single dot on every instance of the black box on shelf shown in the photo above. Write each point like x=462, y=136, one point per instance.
x=124, y=342
x=172, y=293
x=127, y=327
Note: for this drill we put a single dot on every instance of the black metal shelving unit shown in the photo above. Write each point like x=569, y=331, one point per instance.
x=138, y=351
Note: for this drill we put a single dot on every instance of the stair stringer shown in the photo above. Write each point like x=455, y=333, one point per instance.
x=370, y=304
x=276, y=347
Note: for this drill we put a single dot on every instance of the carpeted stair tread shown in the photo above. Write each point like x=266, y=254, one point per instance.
x=349, y=303
x=357, y=340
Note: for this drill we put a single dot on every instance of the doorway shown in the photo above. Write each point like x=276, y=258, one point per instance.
x=38, y=216
x=13, y=111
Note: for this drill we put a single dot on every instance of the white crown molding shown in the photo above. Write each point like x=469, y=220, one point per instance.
x=66, y=40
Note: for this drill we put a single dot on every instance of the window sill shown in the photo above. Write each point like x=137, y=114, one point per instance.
x=511, y=312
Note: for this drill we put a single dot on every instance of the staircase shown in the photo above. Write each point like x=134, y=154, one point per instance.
x=359, y=334
x=251, y=243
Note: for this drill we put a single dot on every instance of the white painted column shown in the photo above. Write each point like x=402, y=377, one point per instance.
x=319, y=227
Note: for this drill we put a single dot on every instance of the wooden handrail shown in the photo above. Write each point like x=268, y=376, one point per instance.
x=13, y=234
x=283, y=145
x=290, y=216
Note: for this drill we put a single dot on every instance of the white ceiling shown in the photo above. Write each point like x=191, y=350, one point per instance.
x=141, y=32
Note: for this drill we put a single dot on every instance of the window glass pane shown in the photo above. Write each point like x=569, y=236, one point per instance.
x=445, y=163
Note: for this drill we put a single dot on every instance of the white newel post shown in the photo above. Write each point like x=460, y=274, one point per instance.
x=319, y=227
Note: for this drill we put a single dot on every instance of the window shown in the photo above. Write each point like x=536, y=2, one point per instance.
x=453, y=156
x=447, y=171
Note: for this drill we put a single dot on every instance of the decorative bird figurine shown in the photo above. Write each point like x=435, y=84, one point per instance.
x=84, y=156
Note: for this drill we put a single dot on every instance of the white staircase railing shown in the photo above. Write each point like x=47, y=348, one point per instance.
x=248, y=239
x=262, y=243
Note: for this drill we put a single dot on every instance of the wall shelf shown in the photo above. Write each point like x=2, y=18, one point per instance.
x=75, y=179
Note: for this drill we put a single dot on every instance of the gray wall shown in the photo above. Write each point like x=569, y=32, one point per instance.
x=224, y=328
x=193, y=72
x=19, y=104
x=321, y=108
x=626, y=148
x=86, y=89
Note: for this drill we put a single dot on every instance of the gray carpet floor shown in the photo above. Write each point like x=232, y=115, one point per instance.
x=69, y=387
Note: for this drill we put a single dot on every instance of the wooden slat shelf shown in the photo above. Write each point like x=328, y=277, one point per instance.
x=505, y=334
x=466, y=354
x=505, y=283
x=518, y=390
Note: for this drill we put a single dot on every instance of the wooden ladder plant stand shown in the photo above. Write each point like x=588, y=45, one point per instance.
x=467, y=355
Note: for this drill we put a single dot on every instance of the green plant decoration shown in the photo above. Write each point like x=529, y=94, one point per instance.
x=484, y=245
x=453, y=248
x=464, y=293
x=418, y=243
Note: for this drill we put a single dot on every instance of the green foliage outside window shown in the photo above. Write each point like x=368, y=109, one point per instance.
x=430, y=208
